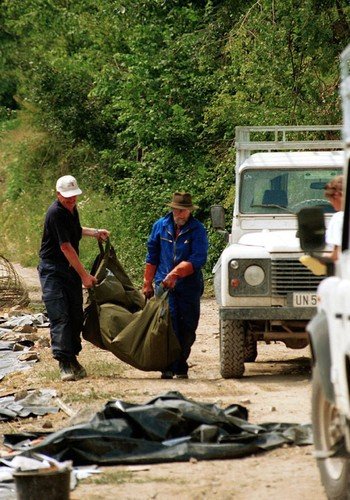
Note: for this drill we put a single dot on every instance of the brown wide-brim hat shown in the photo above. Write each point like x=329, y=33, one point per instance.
x=182, y=201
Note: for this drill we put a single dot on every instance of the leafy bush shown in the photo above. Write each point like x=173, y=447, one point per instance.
x=141, y=98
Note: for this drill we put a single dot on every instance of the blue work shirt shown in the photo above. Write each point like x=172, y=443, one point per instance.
x=166, y=251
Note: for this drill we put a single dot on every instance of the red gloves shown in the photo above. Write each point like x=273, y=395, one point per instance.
x=180, y=271
x=147, y=289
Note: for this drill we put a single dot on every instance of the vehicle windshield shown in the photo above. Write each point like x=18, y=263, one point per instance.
x=284, y=191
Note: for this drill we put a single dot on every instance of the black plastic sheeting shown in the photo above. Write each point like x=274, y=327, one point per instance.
x=168, y=428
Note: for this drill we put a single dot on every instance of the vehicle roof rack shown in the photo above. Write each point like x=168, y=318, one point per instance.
x=283, y=139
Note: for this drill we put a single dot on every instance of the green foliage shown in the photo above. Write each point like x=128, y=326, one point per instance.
x=141, y=98
x=8, y=120
x=283, y=65
x=7, y=92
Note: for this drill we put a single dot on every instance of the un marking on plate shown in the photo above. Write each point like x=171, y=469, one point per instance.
x=304, y=299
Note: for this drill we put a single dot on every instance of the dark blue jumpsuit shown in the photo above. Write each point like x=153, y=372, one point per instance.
x=166, y=251
x=61, y=285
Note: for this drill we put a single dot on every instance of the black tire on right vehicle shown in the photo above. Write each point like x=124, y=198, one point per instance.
x=232, y=347
x=335, y=472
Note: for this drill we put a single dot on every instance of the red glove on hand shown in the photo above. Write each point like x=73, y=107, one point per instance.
x=147, y=289
x=169, y=281
x=180, y=271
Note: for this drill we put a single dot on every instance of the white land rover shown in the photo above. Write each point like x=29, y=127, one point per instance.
x=263, y=291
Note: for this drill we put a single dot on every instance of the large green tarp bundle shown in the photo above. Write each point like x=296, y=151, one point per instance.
x=118, y=320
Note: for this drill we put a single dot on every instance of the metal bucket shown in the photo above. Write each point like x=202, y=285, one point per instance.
x=44, y=484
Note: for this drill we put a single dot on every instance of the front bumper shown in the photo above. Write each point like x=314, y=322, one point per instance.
x=267, y=313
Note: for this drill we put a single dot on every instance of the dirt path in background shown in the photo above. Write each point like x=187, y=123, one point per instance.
x=275, y=388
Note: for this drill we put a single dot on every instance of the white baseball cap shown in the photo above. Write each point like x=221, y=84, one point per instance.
x=67, y=186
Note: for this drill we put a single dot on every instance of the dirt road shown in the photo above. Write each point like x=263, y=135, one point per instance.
x=275, y=388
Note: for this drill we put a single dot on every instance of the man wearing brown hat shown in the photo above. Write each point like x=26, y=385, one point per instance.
x=177, y=251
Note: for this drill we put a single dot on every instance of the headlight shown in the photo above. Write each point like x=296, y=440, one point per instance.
x=254, y=275
x=248, y=277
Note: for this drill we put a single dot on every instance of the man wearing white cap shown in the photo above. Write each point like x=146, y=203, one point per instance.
x=62, y=274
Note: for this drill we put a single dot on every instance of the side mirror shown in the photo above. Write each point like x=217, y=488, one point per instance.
x=217, y=214
x=311, y=229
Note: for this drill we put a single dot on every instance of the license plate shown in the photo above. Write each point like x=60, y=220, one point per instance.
x=304, y=299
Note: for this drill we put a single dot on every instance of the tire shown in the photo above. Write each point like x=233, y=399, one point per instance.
x=232, y=340
x=335, y=472
x=250, y=348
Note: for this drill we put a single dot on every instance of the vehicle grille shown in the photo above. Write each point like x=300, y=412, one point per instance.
x=290, y=275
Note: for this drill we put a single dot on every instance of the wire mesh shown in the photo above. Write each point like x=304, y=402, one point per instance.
x=13, y=291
